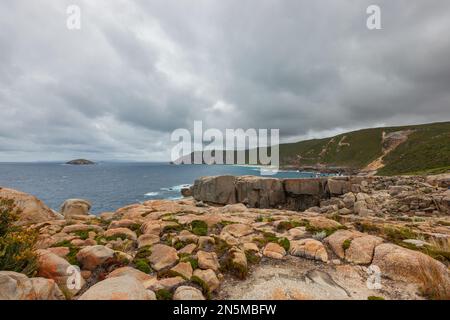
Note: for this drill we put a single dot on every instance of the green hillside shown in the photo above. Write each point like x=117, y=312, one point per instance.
x=354, y=149
x=416, y=149
x=426, y=149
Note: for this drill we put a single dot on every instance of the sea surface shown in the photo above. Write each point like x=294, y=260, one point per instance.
x=112, y=185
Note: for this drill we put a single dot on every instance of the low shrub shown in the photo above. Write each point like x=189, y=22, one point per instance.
x=252, y=257
x=121, y=236
x=433, y=281
x=199, y=228
x=201, y=283
x=397, y=235
x=82, y=234
x=287, y=225
x=284, y=242
x=270, y=237
x=188, y=258
x=346, y=244
x=143, y=252
x=221, y=247
x=142, y=265
x=64, y=243
x=172, y=228
x=179, y=245
x=16, y=243
x=72, y=256
x=328, y=231
x=163, y=294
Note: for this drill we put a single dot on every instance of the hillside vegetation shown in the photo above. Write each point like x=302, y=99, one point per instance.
x=426, y=149
x=415, y=149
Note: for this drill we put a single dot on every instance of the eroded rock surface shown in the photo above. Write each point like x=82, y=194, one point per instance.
x=32, y=210
x=118, y=288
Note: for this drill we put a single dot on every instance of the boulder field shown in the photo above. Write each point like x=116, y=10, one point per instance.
x=247, y=237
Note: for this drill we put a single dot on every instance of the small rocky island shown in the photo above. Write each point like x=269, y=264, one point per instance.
x=80, y=162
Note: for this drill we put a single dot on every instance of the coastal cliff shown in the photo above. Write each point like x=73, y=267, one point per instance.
x=301, y=194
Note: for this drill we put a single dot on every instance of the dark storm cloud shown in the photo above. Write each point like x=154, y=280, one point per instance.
x=139, y=69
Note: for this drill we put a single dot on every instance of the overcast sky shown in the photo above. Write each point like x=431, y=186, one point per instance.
x=137, y=70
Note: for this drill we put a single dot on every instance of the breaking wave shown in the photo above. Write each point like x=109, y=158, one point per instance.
x=151, y=194
x=176, y=188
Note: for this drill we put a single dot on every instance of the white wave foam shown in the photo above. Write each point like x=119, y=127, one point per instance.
x=151, y=194
x=176, y=188
x=174, y=198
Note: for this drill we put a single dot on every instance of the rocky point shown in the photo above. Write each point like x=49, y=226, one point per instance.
x=249, y=238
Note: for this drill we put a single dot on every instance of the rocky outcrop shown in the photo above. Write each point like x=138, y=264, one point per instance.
x=274, y=251
x=363, y=196
x=257, y=192
x=336, y=241
x=168, y=284
x=147, y=240
x=309, y=248
x=186, y=192
x=261, y=192
x=353, y=246
x=339, y=185
x=123, y=233
x=92, y=257
x=403, y=264
x=16, y=286
x=237, y=229
x=208, y=279
x=31, y=209
x=162, y=256
x=188, y=293
x=343, y=233
x=81, y=227
x=54, y=267
x=118, y=288
x=184, y=269
x=75, y=207
x=361, y=249
x=208, y=260
x=445, y=201
x=304, y=193
x=219, y=189
x=142, y=277
x=80, y=162
x=440, y=180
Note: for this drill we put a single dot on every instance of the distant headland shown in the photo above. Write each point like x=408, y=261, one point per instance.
x=80, y=162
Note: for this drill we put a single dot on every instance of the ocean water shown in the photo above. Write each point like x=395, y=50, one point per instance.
x=110, y=185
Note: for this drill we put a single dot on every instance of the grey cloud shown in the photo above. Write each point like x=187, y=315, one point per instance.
x=139, y=69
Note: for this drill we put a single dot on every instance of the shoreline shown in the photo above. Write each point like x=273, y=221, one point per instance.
x=232, y=233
